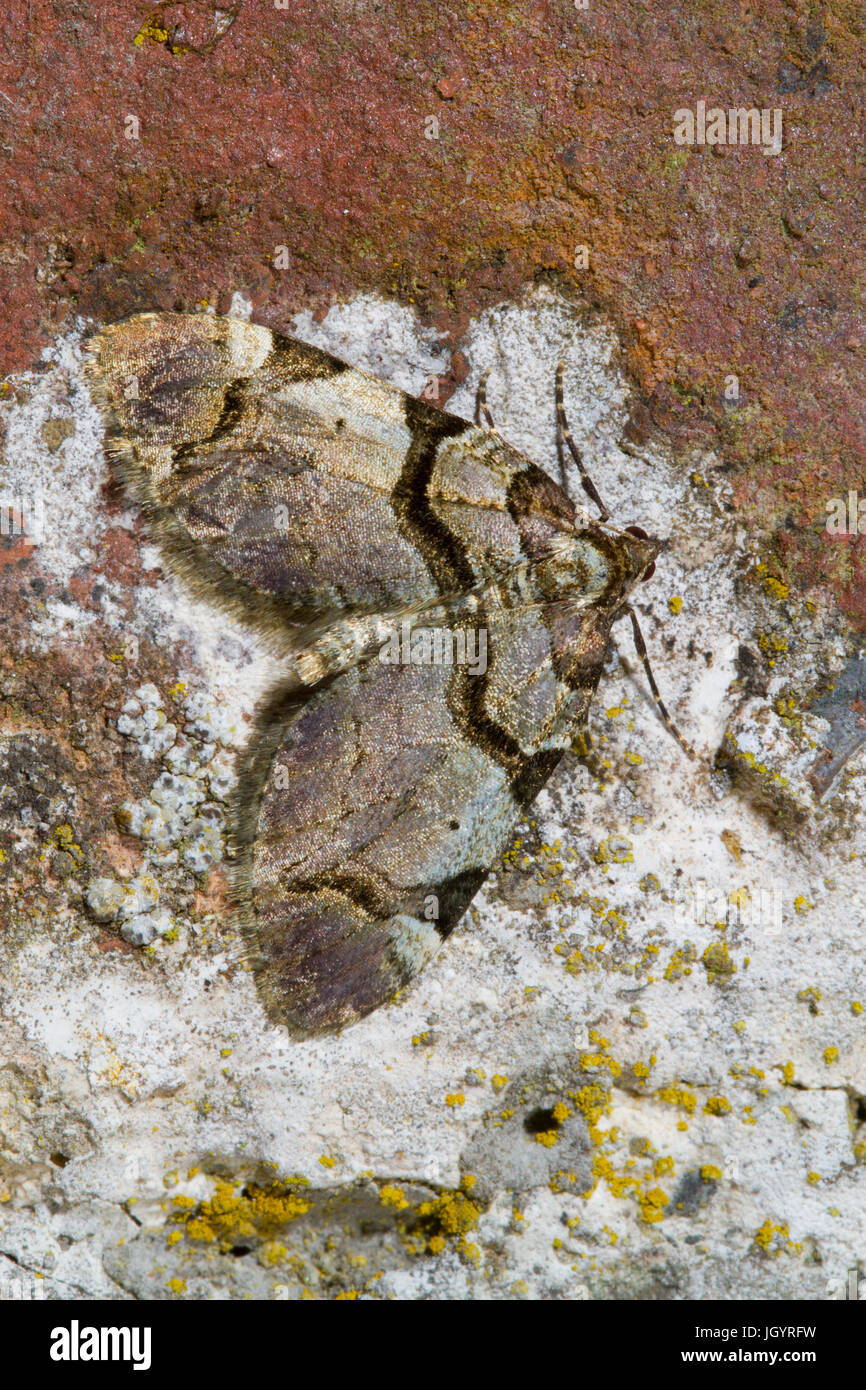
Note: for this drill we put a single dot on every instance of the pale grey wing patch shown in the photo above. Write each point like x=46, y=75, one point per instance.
x=355, y=425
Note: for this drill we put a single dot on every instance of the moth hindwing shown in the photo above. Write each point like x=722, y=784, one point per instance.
x=382, y=540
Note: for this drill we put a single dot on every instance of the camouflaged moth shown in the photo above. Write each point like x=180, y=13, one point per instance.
x=377, y=794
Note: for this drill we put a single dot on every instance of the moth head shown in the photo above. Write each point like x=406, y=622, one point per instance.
x=630, y=559
x=642, y=551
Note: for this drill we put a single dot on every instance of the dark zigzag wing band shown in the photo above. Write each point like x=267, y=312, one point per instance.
x=299, y=488
x=390, y=793
x=379, y=818
x=300, y=491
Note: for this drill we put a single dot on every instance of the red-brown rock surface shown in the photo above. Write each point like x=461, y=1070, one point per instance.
x=446, y=155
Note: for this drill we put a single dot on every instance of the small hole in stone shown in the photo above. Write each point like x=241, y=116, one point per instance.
x=240, y=1250
x=539, y=1121
x=860, y=1109
x=59, y=1160
x=454, y=825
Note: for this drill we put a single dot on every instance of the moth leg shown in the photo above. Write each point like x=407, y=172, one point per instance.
x=589, y=486
x=481, y=411
x=640, y=645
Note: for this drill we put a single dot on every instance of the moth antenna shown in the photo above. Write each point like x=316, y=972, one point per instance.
x=481, y=411
x=589, y=486
x=640, y=645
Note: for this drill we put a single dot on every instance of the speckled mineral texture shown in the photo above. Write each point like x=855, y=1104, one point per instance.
x=637, y=1069
x=157, y=156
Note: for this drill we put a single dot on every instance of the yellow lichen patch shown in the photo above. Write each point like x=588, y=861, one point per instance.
x=576, y=962
x=831, y=1055
x=652, y=1204
x=710, y=1173
x=802, y=906
x=448, y=1217
x=393, y=1197
x=774, y=587
x=347, y=1296
x=678, y=1095
x=64, y=839
x=597, y=1061
x=774, y=1239
x=717, y=963
x=681, y=961
x=498, y=1082
x=271, y=1253
x=813, y=1178
x=717, y=1105
x=326, y=1161
x=176, y=1286
x=786, y=708
x=228, y=1216
x=675, y=604
x=592, y=1101
x=454, y=1100
x=615, y=850
x=856, y=1007
x=772, y=644
x=619, y=1184
x=788, y=1074
x=811, y=995
x=151, y=29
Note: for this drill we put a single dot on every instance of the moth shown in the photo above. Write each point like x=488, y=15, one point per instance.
x=334, y=510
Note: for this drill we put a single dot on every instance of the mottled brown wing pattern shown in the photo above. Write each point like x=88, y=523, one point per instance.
x=299, y=487
x=376, y=807
x=374, y=802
